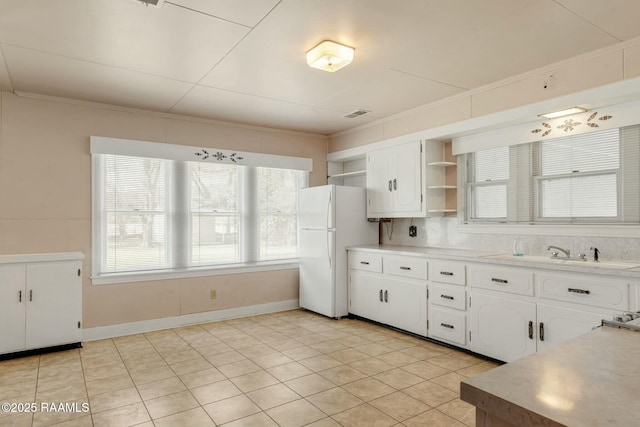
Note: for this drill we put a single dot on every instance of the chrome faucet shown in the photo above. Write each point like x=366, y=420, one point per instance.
x=566, y=252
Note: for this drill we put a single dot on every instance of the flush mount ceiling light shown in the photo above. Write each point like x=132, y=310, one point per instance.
x=568, y=111
x=330, y=56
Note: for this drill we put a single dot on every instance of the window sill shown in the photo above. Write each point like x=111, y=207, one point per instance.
x=147, y=276
x=584, y=230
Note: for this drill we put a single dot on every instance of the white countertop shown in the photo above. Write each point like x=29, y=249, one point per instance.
x=609, y=268
x=26, y=258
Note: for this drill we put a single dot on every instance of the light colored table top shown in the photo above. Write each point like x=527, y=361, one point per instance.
x=591, y=380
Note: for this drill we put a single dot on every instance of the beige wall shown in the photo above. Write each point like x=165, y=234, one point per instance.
x=581, y=73
x=45, y=199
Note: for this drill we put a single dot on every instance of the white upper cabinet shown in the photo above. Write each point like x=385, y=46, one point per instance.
x=409, y=181
x=395, y=181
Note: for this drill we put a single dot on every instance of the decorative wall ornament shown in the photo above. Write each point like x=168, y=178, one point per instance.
x=218, y=155
x=568, y=125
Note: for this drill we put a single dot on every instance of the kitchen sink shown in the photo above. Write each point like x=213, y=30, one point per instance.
x=619, y=265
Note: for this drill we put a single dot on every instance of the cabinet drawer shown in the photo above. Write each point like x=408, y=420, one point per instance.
x=448, y=326
x=446, y=272
x=505, y=279
x=447, y=296
x=415, y=268
x=588, y=290
x=365, y=261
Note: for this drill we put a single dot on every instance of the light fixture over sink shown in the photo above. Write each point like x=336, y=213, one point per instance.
x=330, y=56
x=561, y=113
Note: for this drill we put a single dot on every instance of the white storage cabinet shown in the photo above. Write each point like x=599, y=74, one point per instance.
x=40, y=301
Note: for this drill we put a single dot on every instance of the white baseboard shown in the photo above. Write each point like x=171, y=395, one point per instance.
x=122, y=329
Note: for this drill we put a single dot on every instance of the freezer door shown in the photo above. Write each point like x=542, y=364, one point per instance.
x=317, y=278
x=316, y=207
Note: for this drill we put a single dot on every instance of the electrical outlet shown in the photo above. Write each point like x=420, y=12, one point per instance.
x=413, y=231
x=213, y=294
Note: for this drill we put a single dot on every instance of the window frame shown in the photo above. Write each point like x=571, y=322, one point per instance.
x=523, y=185
x=178, y=248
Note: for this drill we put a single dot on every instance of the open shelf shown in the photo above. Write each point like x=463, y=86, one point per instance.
x=446, y=187
x=443, y=164
x=442, y=210
x=346, y=174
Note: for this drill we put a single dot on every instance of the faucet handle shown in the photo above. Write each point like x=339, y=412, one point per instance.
x=582, y=256
x=554, y=254
x=596, y=253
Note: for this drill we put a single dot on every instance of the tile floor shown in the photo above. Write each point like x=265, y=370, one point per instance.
x=290, y=369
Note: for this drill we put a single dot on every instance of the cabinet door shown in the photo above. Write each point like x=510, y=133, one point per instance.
x=379, y=184
x=502, y=328
x=407, y=180
x=558, y=324
x=54, y=304
x=12, y=308
x=405, y=305
x=365, y=294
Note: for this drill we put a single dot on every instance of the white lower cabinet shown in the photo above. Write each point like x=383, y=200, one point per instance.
x=558, y=324
x=507, y=329
x=503, y=312
x=40, y=304
x=502, y=328
x=448, y=325
x=396, y=297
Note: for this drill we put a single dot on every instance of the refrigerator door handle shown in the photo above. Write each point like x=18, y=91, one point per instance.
x=329, y=250
x=328, y=210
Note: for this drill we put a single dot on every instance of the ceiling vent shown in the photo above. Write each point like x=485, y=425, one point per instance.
x=156, y=3
x=357, y=113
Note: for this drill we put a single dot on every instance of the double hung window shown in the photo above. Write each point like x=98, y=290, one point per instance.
x=590, y=178
x=171, y=215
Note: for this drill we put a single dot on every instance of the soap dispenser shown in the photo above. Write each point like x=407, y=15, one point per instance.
x=517, y=247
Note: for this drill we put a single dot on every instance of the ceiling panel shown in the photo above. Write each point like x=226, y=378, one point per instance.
x=539, y=34
x=244, y=12
x=55, y=75
x=388, y=92
x=235, y=107
x=169, y=41
x=617, y=17
x=247, y=57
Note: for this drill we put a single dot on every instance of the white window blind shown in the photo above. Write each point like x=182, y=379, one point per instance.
x=164, y=216
x=488, y=186
x=135, y=206
x=577, y=176
x=277, y=201
x=586, y=178
x=214, y=214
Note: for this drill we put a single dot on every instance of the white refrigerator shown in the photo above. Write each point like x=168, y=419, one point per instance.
x=330, y=218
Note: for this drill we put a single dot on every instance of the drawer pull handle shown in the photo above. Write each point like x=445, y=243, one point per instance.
x=386, y=296
x=530, y=330
x=579, y=291
x=447, y=297
x=446, y=273
x=446, y=325
x=20, y=296
x=541, y=331
x=380, y=295
x=503, y=281
x=364, y=262
x=405, y=268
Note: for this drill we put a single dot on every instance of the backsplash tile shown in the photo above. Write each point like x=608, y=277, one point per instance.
x=444, y=232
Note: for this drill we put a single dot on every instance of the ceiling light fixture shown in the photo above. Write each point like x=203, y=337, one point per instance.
x=568, y=111
x=330, y=56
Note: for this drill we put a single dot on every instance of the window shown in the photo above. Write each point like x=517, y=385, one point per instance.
x=162, y=215
x=488, y=184
x=590, y=178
